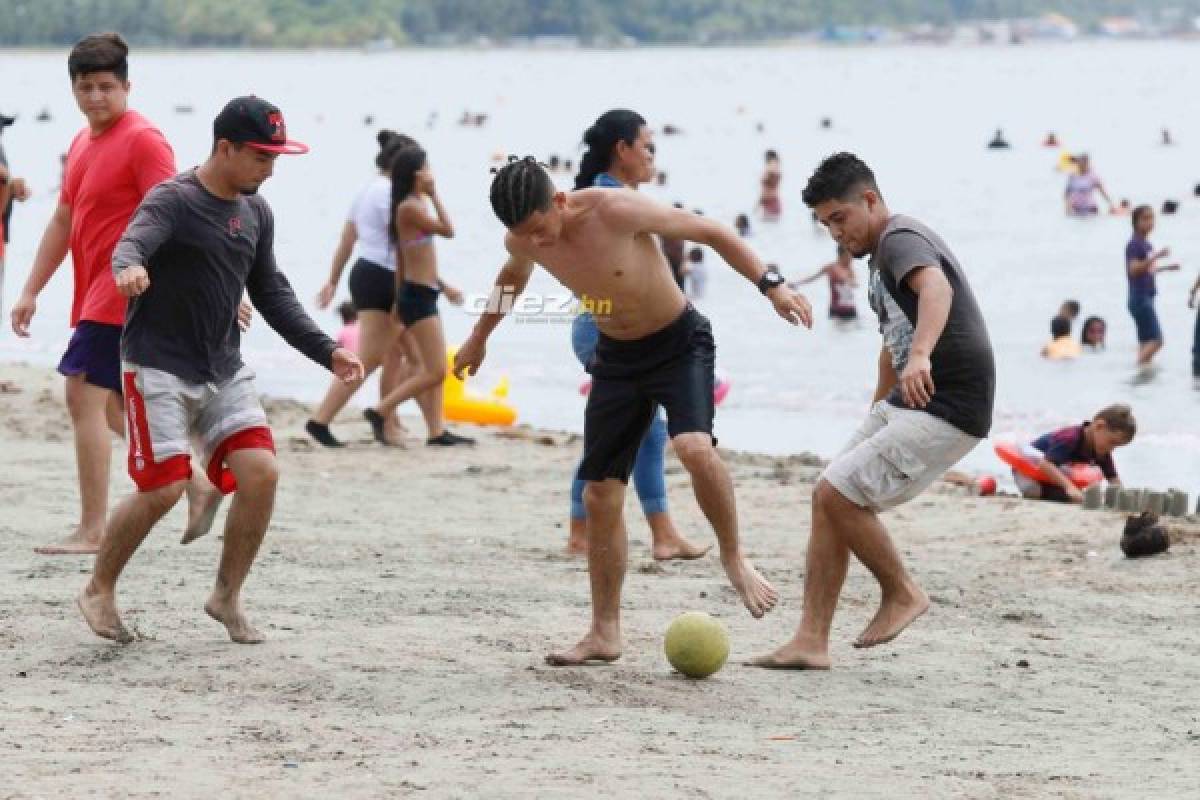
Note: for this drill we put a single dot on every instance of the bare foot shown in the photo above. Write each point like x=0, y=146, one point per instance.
x=793, y=655
x=758, y=595
x=100, y=613
x=230, y=615
x=894, y=615
x=78, y=543
x=678, y=548
x=202, y=509
x=577, y=542
x=592, y=649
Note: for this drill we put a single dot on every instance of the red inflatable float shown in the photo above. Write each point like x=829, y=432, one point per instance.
x=1082, y=475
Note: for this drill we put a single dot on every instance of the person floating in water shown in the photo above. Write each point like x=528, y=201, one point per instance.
x=1081, y=187
x=742, y=224
x=842, y=283
x=1091, y=442
x=1061, y=346
x=1091, y=336
x=769, y=201
x=998, y=141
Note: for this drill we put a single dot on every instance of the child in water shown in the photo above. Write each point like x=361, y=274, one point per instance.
x=1061, y=345
x=842, y=283
x=347, y=337
x=1089, y=443
x=1092, y=334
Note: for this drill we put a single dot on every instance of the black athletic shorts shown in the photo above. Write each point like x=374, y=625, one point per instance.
x=372, y=287
x=672, y=368
x=416, y=302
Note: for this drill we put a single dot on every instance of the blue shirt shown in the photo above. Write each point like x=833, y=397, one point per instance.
x=1141, y=287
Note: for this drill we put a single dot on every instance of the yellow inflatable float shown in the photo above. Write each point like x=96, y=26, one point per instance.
x=459, y=405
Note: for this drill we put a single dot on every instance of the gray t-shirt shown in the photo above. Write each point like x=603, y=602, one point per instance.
x=964, y=371
x=201, y=252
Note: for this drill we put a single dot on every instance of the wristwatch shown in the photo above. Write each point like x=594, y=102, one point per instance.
x=769, y=280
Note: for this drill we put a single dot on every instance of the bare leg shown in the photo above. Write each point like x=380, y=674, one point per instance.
x=824, y=573
x=1147, y=351
x=607, y=552
x=398, y=364
x=903, y=600
x=431, y=344
x=577, y=541
x=131, y=522
x=376, y=331
x=257, y=475
x=203, y=501
x=668, y=542
x=90, y=420
x=714, y=492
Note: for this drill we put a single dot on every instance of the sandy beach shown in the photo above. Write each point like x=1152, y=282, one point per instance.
x=409, y=596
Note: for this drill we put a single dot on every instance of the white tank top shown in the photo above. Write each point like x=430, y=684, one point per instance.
x=370, y=214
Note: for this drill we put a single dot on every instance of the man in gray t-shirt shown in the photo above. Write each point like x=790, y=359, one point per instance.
x=193, y=246
x=932, y=405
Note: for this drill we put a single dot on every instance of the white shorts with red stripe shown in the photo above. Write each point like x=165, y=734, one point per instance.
x=167, y=417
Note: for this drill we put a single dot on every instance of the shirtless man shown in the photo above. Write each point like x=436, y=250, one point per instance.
x=933, y=404
x=654, y=349
x=193, y=246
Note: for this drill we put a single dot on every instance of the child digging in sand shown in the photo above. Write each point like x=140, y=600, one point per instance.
x=1092, y=442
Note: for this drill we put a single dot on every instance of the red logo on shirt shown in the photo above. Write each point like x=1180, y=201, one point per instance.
x=235, y=226
x=278, y=129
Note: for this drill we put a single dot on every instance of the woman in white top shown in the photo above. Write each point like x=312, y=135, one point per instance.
x=373, y=293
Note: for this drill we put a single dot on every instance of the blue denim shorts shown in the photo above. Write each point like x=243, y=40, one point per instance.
x=1146, y=319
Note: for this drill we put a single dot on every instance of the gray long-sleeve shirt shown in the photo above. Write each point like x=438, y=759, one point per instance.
x=200, y=252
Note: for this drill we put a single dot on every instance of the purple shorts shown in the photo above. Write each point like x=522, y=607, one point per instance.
x=95, y=353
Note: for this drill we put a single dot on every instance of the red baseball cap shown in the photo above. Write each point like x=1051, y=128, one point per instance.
x=255, y=122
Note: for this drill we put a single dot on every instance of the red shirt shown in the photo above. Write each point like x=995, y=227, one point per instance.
x=106, y=178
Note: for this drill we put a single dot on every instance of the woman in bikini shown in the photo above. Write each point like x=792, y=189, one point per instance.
x=412, y=230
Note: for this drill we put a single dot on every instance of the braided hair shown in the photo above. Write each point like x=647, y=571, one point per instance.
x=520, y=188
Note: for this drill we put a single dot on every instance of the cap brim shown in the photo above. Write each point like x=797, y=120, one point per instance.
x=288, y=148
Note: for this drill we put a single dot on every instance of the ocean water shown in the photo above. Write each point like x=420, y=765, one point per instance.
x=919, y=116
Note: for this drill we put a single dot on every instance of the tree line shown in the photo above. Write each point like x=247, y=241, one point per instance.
x=344, y=23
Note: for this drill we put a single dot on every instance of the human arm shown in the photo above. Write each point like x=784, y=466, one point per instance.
x=415, y=214
x=934, y=296
x=152, y=225
x=275, y=300
x=341, y=255
x=511, y=281
x=1112, y=207
x=1056, y=476
x=50, y=254
x=802, y=281
x=1192, y=293
x=887, y=376
x=453, y=293
x=632, y=212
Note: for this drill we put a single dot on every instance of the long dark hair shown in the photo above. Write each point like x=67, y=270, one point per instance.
x=405, y=164
x=390, y=143
x=618, y=125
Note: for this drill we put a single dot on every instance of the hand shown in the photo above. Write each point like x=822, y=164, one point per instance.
x=453, y=294
x=1164, y=253
x=427, y=184
x=325, y=296
x=22, y=314
x=1168, y=268
x=132, y=281
x=916, y=382
x=792, y=306
x=1073, y=494
x=346, y=366
x=20, y=190
x=470, y=356
x=245, y=315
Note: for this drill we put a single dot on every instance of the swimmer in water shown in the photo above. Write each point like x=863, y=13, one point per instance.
x=842, y=283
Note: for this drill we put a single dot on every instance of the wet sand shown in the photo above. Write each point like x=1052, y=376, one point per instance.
x=409, y=597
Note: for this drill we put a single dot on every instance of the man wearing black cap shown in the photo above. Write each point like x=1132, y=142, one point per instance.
x=195, y=243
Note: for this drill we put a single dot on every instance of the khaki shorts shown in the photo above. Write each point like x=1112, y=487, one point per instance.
x=896, y=454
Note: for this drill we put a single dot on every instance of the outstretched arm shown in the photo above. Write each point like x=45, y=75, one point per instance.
x=341, y=255
x=630, y=211
x=511, y=282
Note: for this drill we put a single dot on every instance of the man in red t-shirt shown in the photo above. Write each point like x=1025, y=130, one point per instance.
x=111, y=165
